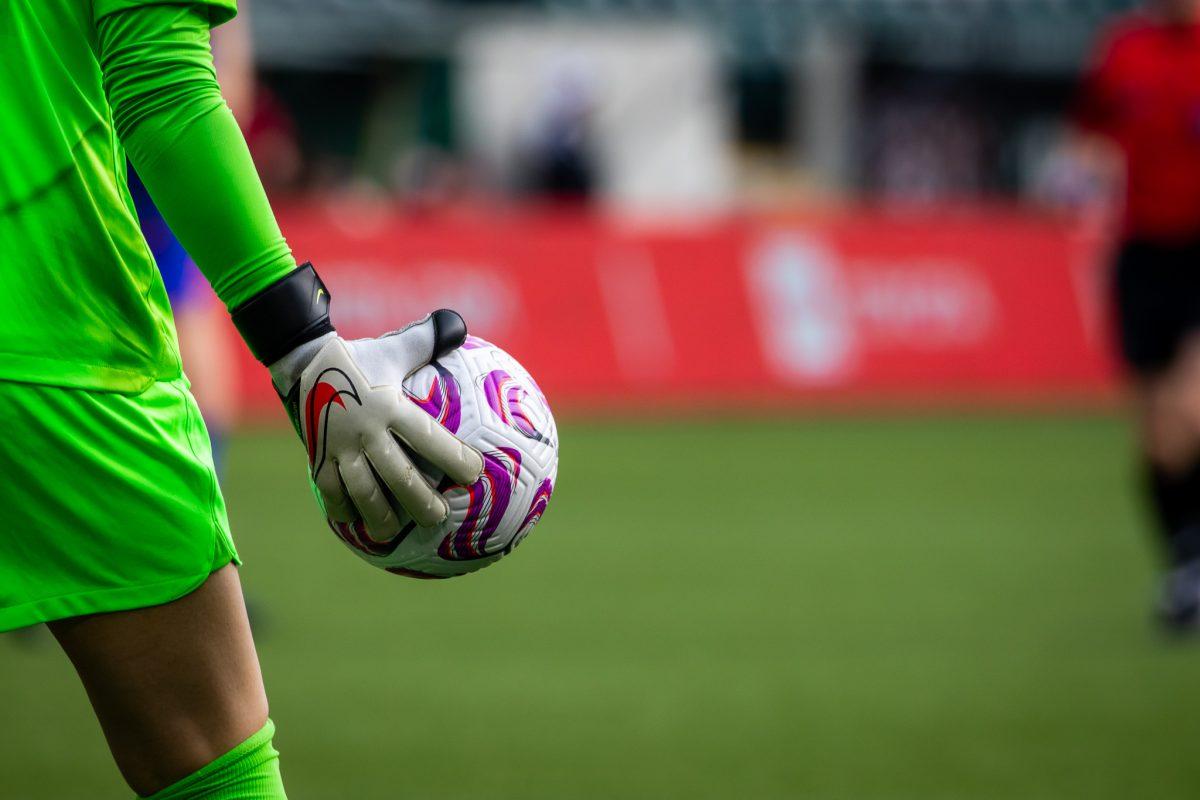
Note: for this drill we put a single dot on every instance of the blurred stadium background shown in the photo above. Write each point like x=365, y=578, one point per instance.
x=843, y=255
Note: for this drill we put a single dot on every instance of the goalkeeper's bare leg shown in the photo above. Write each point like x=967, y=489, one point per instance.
x=176, y=687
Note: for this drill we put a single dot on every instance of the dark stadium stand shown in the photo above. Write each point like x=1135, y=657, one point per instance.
x=1021, y=35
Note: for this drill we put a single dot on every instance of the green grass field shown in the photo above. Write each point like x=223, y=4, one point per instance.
x=821, y=608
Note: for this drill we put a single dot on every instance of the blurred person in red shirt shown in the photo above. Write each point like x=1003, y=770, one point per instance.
x=1142, y=94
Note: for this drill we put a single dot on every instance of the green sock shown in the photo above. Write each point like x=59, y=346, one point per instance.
x=249, y=771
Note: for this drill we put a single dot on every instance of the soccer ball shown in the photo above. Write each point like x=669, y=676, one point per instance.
x=482, y=395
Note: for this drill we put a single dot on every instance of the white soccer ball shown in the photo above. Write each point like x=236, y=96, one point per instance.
x=485, y=397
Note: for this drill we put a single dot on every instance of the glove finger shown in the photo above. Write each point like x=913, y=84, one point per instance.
x=369, y=498
x=427, y=339
x=333, y=494
x=422, y=433
x=411, y=491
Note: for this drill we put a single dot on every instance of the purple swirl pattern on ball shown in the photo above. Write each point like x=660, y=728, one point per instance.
x=541, y=499
x=355, y=535
x=444, y=400
x=538, y=391
x=475, y=343
x=489, y=498
x=506, y=397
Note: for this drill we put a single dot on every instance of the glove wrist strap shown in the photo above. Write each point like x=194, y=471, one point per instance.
x=288, y=313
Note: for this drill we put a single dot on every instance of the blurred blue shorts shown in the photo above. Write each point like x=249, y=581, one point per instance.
x=179, y=273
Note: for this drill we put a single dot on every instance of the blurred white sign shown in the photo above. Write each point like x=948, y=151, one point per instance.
x=648, y=99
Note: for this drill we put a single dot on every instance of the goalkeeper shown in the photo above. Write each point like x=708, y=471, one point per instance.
x=114, y=527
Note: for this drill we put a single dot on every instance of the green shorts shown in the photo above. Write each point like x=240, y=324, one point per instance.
x=109, y=501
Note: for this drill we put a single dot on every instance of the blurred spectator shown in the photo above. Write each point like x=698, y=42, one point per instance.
x=1078, y=175
x=560, y=156
x=925, y=150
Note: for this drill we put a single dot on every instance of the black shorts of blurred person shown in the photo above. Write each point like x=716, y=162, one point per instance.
x=1141, y=98
x=1157, y=298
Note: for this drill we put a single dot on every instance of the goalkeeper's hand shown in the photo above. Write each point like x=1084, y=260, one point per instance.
x=347, y=402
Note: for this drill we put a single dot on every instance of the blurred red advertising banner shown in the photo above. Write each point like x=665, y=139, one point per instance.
x=856, y=307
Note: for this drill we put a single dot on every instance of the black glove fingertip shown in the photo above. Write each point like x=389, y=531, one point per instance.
x=450, y=331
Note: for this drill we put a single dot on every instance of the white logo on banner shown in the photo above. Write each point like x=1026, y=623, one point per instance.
x=816, y=318
x=803, y=307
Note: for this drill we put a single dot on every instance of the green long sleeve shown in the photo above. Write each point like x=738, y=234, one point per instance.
x=182, y=139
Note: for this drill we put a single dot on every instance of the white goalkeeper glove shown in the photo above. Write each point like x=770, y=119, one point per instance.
x=347, y=402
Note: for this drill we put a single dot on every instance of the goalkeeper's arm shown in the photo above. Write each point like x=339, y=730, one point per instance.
x=187, y=148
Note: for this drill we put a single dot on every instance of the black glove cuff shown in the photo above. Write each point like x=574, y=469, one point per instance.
x=285, y=315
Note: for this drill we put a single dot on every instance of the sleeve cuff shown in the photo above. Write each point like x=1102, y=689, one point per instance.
x=220, y=11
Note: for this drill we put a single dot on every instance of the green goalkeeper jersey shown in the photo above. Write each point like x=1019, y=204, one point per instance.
x=81, y=302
